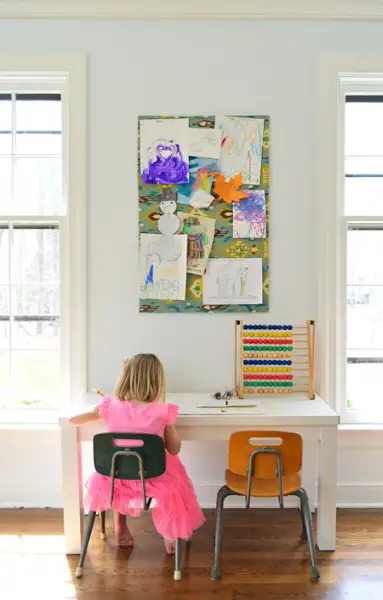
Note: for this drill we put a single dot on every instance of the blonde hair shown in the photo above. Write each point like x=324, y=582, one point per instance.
x=142, y=379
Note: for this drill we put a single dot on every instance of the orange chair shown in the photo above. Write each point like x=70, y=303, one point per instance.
x=265, y=464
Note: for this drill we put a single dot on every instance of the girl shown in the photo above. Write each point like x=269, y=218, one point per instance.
x=138, y=407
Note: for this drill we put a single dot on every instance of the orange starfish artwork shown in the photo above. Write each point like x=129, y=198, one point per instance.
x=228, y=190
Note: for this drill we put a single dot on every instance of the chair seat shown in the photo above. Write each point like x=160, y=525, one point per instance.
x=263, y=488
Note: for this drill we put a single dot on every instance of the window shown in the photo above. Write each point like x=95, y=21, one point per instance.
x=361, y=241
x=41, y=240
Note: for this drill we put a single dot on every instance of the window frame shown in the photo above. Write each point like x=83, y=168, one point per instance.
x=65, y=74
x=357, y=85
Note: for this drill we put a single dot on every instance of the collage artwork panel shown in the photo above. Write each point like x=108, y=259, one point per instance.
x=203, y=191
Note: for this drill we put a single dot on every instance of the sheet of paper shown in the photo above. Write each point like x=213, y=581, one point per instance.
x=199, y=179
x=161, y=279
x=164, y=150
x=241, y=147
x=233, y=281
x=200, y=231
x=249, y=216
x=204, y=142
x=238, y=407
x=201, y=199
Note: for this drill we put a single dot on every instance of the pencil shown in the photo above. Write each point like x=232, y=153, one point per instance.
x=98, y=392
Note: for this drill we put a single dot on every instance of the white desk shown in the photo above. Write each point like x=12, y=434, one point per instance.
x=286, y=412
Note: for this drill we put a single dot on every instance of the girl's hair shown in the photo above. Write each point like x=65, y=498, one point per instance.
x=142, y=379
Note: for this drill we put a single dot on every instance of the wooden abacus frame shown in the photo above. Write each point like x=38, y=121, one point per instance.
x=299, y=356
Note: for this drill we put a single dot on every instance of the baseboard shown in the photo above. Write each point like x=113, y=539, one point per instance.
x=23, y=495
x=350, y=495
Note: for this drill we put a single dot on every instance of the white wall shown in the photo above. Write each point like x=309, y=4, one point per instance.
x=190, y=67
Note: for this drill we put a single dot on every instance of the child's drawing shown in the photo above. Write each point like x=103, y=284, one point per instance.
x=161, y=279
x=249, y=216
x=164, y=151
x=233, y=281
x=241, y=147
x=200, y=231
x=204, y=142
x=200, y=179
x=168, y=225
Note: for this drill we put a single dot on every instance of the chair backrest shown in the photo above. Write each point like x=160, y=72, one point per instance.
x=243, y=443
x=150, y=447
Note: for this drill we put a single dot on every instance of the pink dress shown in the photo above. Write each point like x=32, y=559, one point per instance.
x=177, y=512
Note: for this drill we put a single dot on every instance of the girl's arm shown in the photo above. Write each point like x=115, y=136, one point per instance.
x=92, y=415
x=172, y=440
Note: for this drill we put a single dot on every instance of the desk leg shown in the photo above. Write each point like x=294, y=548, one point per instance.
x=72, y=487
x=327, y=488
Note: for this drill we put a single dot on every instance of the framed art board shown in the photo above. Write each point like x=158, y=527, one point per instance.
x=203, y=194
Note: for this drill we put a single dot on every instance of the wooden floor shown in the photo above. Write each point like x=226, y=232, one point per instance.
x=261, y=559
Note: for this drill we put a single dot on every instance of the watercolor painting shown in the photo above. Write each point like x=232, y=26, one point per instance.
x=201, y=177
x=205, y=143
x=161, y=279
x=164, y=154
x=233, y=281
x=249, y=216
x=241, y=147
x=200, y=231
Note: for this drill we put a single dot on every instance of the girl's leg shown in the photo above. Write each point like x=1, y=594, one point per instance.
x=170, y=546
x=123, y=536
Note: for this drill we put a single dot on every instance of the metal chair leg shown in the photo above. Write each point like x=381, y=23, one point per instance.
x=102, y=524
x=222, y=494
x=177, y=561
x=88, y=533
x=303, y=533
x=315, y=574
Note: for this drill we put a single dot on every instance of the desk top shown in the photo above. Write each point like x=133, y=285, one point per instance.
x=283, y=409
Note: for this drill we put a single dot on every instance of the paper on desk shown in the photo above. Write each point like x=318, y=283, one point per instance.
x=232, y=408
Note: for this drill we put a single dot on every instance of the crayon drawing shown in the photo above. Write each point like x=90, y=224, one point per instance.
x=161, y=279
x=200, y=231
x=204, y=142
x=233, y=281
x=249, y=216
x=241, y=147
x=164, y=154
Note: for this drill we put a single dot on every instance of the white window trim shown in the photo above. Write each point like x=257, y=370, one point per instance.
x=73, y=258
x=332, y=232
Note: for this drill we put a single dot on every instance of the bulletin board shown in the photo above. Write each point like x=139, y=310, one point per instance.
x=210, y=206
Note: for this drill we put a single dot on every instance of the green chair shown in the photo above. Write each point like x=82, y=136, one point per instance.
x=144, y=458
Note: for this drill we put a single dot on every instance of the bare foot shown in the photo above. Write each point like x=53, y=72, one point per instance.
x=170, y=547
x=124, y=538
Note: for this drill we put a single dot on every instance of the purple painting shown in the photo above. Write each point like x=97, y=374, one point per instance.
x=249, y=216
x=164, y=151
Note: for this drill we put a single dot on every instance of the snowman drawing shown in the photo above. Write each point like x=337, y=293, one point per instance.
x=168, y=224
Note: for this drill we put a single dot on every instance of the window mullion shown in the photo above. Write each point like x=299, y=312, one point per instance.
x=10, y=296
x=13, y=169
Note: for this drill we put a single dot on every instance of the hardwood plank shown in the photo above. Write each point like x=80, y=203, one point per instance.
x=262, y=557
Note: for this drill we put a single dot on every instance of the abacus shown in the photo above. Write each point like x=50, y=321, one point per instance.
x=274, y=359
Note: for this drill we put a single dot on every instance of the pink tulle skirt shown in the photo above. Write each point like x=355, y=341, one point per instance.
x=176, y=514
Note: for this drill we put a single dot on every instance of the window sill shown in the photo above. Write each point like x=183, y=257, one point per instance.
x=360, y=427
x=27, y=420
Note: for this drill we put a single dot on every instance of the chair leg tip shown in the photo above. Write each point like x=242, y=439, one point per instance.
x=177, y=575
x=103, y=536
x=315, y=575
x=215, y=574
x=79, y=572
